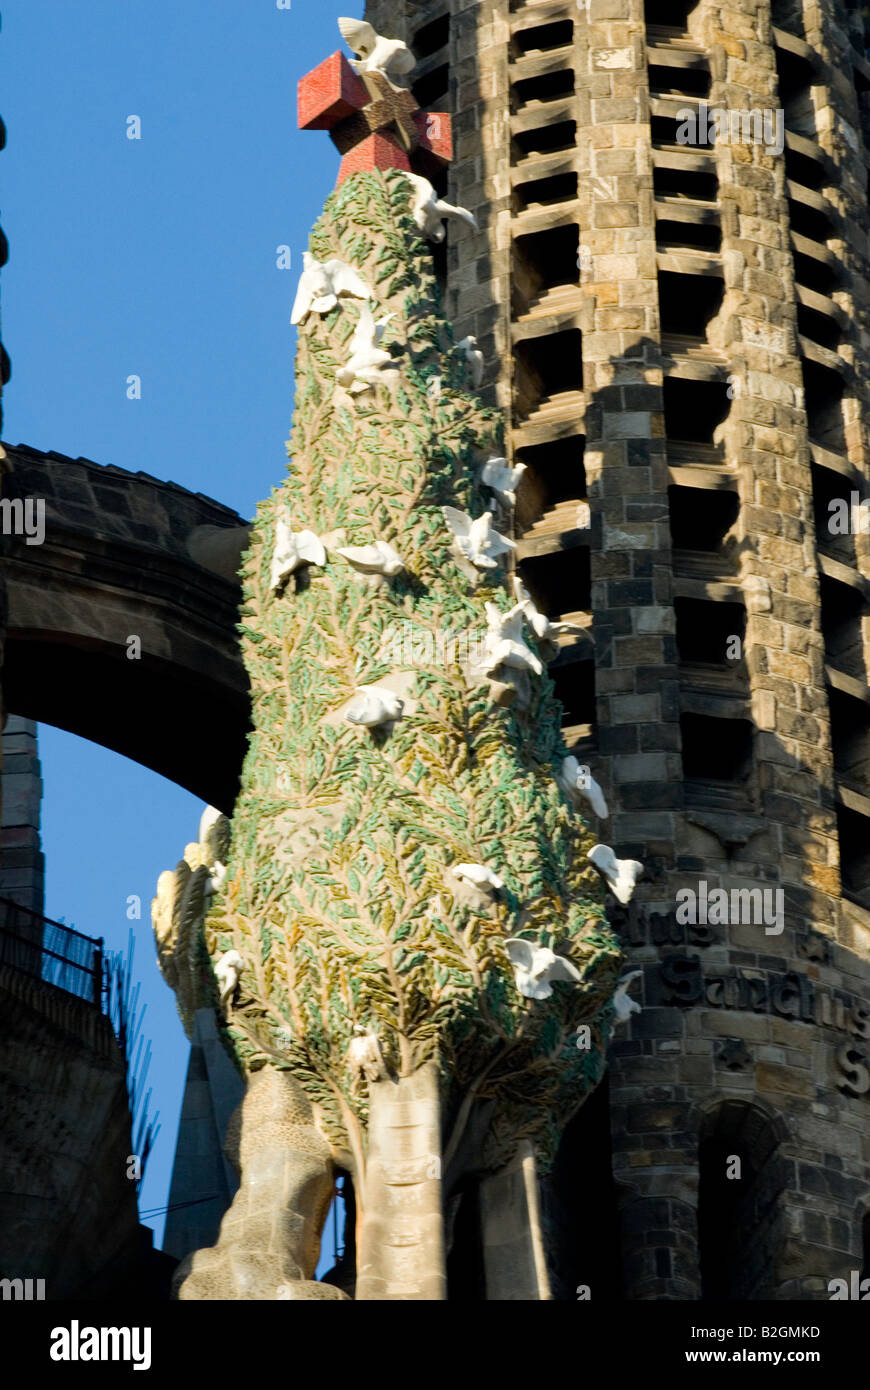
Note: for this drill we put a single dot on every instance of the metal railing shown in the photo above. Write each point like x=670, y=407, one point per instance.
x=52, y=952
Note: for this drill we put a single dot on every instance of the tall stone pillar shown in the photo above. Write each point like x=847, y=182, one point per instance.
x=401, y=1253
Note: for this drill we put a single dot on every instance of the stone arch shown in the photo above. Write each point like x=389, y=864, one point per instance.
x=742, y=1170
x=125, y=555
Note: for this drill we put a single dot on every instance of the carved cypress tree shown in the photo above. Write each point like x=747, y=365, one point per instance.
x=339, y=895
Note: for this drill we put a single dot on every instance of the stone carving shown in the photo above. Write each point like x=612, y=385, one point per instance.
x=545, y=630
x=474, y=358
x=623, y=1004
x=477, y=540
x=503, y=479
x=228, y=972
x=293, y=549
x=505, y=645
x=577, y=781
x=536, y=967
x=270, y=1237
x=376, y=54
x=320, y=285
x=368, y=364
x=337, y=897
x=621, y=875
x=365, y=1056
x=184, y=896
x=479, y=875
x=430, y=210
x=381, y=558
x=373, y=708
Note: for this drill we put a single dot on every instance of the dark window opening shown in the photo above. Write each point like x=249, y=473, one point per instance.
x=543, y=38
x=560, y=582
x=823, y=395
x=546, y=139
x=561, y=188
x=809, y=222
x=705, y=629
x=865, y=1247
x=738, y=1216
x=554, y=473
x=583, y=1238
x=693, y=236
x=665, y=80
x=433, y=86
x=575, y=688
x=543, y=260
x=842, y=609
x=547, y=366
x=850, y=740
x=803, y=169
x=821, y=328
x=663, y=131
x=693, y=409
x=832, y=498
x=668, y=14
x=814, y=274
x=853, y=831
x=685, y=183
x=715, y=749
x=549, y=86
x=788, y=15
x=688, y=303
x=701, y=517
x=431, y=37
x=795, y=75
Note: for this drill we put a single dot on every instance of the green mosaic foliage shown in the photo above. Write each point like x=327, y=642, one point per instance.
x=338, y=894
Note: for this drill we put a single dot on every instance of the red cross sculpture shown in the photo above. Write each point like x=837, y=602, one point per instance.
x=373, y=124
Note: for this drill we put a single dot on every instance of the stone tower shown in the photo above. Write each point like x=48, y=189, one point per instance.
x=669, y=285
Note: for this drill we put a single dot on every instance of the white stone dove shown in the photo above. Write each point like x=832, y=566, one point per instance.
x=320, y=285
x=541, y=625
x=378, y=558
x=376, y=54
x=215, y=880
x=502, y=478
x=621, y=875
x=504, y=644
x=228, y=971
x=429, y=210
x=623, y=1004
x=477, y=540
x=474, y=358
x=372, y=706
x=577, y=781
x=292, y=549
x=365, y=1055
x=535, y=968
x=480, y=876
x=368, y=363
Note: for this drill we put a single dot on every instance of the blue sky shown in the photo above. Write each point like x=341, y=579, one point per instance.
x=155, y=257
